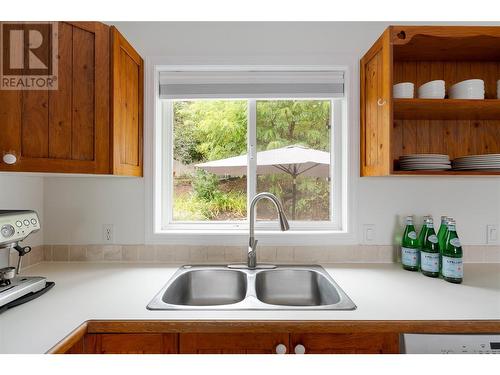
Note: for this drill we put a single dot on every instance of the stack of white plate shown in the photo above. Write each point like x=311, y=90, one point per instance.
x=478, y=162
x=469, y=89
x=431, y=162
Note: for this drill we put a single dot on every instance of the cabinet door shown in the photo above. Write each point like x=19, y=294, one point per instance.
x=375, y=111
x=233, y=343
x=127, y=107
x=63, y=130
x=345, y=343
x=131, y=343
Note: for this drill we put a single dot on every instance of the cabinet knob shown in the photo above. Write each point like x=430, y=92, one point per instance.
x=300, y=349
x=280, y=349
x=381, y=102
x=9, y=159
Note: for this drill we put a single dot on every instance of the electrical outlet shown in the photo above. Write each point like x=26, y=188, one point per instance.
x=107, y=233
x=492, y=234
x=368, y=233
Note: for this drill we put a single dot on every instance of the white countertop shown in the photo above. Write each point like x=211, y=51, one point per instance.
x=85, y=291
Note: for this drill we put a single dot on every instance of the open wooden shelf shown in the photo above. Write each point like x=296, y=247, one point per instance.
x=446, y=109
x=392, y=127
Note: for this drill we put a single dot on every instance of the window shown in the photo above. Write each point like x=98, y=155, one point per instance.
x=227, y=136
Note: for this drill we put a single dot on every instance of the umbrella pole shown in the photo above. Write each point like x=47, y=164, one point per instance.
x=294, y=195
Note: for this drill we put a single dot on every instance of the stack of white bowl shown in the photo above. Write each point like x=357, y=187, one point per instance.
x=403, y=90
x=430, y=162
x=469, y=89
x=432, y=90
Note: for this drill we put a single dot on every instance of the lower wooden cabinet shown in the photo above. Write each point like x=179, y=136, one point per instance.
x=131, y=343
x=344, y=343
x=255, y=337
x=233, y=343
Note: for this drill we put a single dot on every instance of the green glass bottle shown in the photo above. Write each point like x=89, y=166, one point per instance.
x=442, y=232
x=452, y=268
x=409, y=247
x=429, y=252
x=422, y=233
x=443, y=228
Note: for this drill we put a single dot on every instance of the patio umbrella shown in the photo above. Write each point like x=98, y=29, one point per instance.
x=293, y=160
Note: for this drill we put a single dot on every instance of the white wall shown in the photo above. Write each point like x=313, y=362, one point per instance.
x=76, y=208
x=24, y=193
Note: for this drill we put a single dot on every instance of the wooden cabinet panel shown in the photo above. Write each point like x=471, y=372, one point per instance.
x=346, y=343
x=83, y=112
x=131, y=343
x=60, y=100
x=376, y=108
x=232, y=343
x=127, y=107
x=63, y=130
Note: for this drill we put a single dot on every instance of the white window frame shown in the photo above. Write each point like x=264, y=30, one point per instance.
x=230, y=233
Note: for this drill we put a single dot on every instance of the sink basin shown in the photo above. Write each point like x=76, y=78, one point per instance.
x=207, y=287
x=223, y=288
x=290, y=287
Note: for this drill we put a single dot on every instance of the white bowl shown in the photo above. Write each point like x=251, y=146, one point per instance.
x=469, y=89
x=470, y=83
x=404, y=90
x=498, y=89
x=432, y=90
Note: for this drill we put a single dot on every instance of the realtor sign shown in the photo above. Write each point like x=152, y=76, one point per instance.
x=28, y=55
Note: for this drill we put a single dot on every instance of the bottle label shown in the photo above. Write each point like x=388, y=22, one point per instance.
x=412, y=235
x=455, y=242
x=409, y=257
x=433, y=238
x=429, y=261
x=453, y=267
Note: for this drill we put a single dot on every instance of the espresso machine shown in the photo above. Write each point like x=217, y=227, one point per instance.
x=15, y=289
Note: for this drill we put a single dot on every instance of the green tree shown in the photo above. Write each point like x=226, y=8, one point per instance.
x=286, y=122
x=210, y=129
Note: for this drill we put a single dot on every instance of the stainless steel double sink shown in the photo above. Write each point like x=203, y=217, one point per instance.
x=225, y=288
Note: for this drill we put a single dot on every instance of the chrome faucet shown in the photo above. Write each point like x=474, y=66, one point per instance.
x=252, y=244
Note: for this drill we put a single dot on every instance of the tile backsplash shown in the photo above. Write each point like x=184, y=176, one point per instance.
x=229, y=254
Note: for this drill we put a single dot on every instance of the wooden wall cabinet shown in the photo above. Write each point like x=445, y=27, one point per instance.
x=93, y=122
x=394, y=127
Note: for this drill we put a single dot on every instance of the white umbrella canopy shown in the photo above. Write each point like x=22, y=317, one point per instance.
x=294, y=160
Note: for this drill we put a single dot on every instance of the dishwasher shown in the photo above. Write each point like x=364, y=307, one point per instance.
x=450, y=344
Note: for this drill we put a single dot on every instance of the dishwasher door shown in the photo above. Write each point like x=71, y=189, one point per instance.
x=450, y=344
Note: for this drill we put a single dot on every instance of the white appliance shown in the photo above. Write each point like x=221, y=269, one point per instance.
x=451, y=344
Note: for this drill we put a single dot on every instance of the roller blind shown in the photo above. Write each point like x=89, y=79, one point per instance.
x=250, y=84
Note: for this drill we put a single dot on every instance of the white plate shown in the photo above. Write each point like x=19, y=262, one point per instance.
x=427, y=168
x=477, y=168
x=438, y=167
x=483, y=156
x=477, y=162
x=431, y=161
x=426, y=160
x=425, y=156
